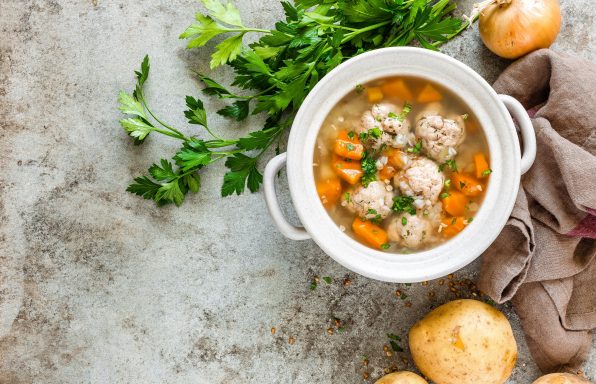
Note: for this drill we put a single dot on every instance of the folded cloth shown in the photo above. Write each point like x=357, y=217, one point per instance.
x=544, y=260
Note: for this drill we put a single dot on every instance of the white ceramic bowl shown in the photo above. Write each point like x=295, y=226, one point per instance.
x=507, y=164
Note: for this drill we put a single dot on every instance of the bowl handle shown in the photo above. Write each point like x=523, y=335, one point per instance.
x=287, y=229
x=517, y=110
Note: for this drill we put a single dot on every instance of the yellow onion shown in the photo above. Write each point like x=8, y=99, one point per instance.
x=513, y=28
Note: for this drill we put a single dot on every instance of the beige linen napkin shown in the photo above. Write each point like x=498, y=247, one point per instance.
x=544, y=260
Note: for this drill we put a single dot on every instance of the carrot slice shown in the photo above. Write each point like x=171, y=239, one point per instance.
x=329, y=191
x=370, y=233
x=350, y=148
x=374, y=94
x=466, y=184
x=397, y=88
x=350, y=171
x=455, y=203
x=481, y=165
x=429, y=94
x=395, y=158
x=453, y=225
x=387, y=172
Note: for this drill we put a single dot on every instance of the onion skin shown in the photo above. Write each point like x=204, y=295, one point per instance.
x=513, y=28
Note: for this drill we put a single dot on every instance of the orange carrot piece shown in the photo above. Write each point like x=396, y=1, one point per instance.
x=455, y=203
x=429, y=94
x=481, y=165
x=454, y=225
x=329, y=191
x=395, y=158
x=350, y=171
x=466, y=184
x=397, y=88
x=374, y=94
x=370, y=233
x=387, y=172
x=350, y=148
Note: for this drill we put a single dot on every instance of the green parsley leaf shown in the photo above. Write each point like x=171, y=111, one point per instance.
x=404, y=221
x=385, y=246
x=243, y=173
x=417, y=148
x=393, y=336
x=375, y=132
x=395, y=346
x=351, y=135
x=327, y=279
x=444, y=195
x=403, y=203
x=238, y=110
x=487, y=172
x=360, y=89
x=226, y=51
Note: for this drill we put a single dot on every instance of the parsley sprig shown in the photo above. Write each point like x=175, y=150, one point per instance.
x=275, y=73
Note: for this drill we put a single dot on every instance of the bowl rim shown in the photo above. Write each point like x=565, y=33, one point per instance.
x=500, y=134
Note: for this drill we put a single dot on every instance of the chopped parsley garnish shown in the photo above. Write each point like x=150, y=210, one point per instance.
x=487, y=172
x=363, y=136
x=404, y=112
x=464, y=116
x=447, y=184
x=375, y=132
x=351, y=135
x=341, y=329
x=462, y=185
x=385, y=246
x=449, y=163
x=327, y=279
x=347, y=197
x=350, y=147
x=313, y=285
x=443, y=195
x=395, y=346
x=416, y=148
x=404, y=203
x=369, y=167
x=359, y=88
x=404, y=220
x=403, y=296
x=392, y=115
x=453, y=221
x=393, y=336
x=372, y=211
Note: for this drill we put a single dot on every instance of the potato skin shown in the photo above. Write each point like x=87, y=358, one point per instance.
x=403, y=377
x=464, y=342
x=561, y=378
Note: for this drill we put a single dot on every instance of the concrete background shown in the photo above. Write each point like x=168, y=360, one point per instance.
x=100, y=286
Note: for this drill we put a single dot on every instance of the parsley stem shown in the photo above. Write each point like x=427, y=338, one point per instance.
x=178, y=135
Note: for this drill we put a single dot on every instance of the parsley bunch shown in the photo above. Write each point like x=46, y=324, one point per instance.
x=277, y=71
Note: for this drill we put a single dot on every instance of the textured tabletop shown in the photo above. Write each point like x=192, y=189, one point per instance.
x=100, y=286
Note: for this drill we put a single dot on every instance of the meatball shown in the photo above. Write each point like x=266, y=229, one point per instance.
x=394, y=131
x=412, y=231
x=423, y=180
x=371, y=202
x=440, y=137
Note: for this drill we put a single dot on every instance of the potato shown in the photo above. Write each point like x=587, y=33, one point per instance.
x=561, y=378
x=403, y=377
x=464, y=342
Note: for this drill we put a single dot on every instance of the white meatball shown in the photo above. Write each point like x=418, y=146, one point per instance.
x=440, y=137
x=395, y=126
x=382, y=110
x=422, y=180
x=394, y=132
x=412, y=231
x=371, y=202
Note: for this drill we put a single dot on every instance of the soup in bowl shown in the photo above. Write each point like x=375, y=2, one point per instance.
x=401, y=164
x=397, y=140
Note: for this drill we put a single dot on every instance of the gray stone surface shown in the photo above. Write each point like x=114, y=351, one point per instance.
x=99, y=286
